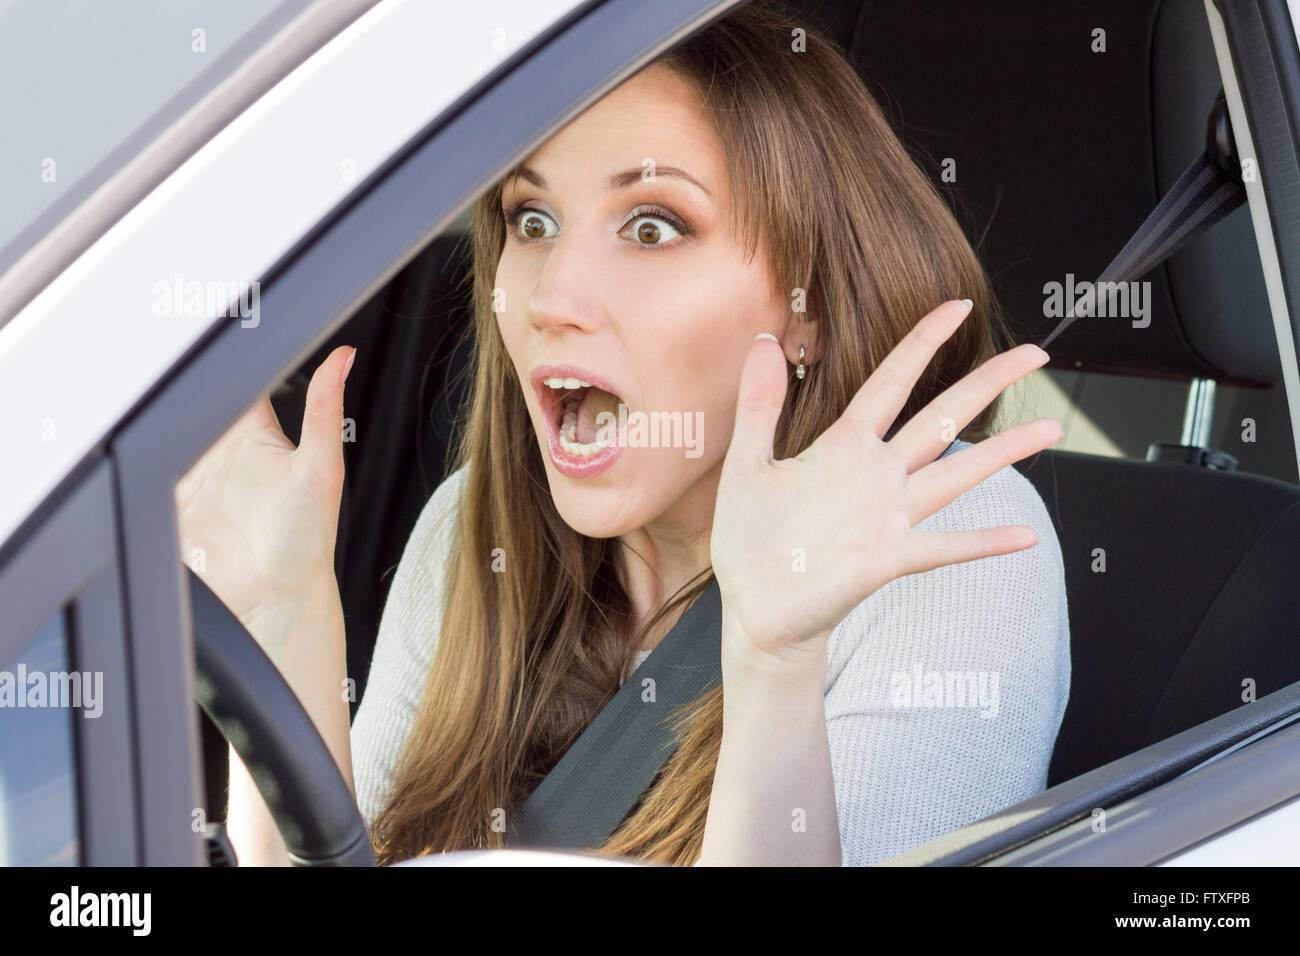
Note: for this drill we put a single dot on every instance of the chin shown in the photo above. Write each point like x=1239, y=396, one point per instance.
x=613, y=498
x=614, y=503
x=594, y=512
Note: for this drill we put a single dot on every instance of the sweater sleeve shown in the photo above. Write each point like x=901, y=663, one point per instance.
x=946, y=689
x=408, y=635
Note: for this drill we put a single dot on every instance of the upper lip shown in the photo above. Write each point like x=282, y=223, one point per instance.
x=548, y=398
x=541, y=372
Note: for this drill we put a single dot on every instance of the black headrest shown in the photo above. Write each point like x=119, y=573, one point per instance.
x=1061, y=151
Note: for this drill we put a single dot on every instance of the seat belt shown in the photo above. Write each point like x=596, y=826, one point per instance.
x=1208, y=190
x=591, y=789
x=602, y=776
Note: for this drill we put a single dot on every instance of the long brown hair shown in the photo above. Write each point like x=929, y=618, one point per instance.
x=526, y=658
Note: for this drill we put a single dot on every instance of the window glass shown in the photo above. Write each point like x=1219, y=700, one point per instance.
x=39, y=696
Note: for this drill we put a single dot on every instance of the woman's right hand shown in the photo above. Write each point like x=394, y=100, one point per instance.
x=258, y=517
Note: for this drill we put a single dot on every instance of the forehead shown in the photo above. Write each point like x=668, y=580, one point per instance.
x=655, y=115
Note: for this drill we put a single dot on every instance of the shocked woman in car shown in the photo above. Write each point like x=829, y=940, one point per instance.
x=733, y=238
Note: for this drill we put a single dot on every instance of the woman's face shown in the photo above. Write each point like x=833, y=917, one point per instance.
x=619, y=270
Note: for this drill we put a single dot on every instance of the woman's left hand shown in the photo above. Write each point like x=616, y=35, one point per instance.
x=797, y=544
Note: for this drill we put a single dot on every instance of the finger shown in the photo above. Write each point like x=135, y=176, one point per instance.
x=941, y=482
x=929, y=432
x=927, y=550
x=321, y=445
x=885, y=392
x=759, y=403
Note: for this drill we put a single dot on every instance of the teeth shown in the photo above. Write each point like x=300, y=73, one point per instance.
x=568, y=431
x=568, y=436
x=565, y=383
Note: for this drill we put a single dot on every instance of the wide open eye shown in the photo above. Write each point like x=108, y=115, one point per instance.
x=533, y=224
x=654, y=229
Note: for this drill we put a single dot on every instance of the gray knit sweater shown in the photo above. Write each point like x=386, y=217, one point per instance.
x=944, y=690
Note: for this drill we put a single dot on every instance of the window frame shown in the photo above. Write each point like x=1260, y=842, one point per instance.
x=1160, y=822
x=69, y=564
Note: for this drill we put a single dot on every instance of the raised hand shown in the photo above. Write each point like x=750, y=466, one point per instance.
x=262, y=514
x=798, y=543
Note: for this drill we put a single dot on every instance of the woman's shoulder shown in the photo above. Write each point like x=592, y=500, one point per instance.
x=1004, y=602
x=445, y=499
x=414, y=601
x=409, y=630
x=432, y=531
x=1005, y=497
x=446, y=496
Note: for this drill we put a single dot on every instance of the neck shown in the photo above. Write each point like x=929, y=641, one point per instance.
x=657, y=560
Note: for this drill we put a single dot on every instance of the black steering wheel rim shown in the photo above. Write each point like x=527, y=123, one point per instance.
x=261, y=717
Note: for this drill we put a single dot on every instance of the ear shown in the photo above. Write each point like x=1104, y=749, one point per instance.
x=802, y=330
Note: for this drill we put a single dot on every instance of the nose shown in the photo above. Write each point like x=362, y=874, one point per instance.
x=565, y=294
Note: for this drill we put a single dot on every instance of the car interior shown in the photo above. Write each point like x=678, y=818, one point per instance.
x=1178, y=551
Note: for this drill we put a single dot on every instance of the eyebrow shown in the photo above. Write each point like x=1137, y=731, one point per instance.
x=619, y=180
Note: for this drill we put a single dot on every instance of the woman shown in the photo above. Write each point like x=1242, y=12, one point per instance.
x=735, y=239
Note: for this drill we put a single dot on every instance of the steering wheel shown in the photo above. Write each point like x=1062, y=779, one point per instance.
x=260, y=716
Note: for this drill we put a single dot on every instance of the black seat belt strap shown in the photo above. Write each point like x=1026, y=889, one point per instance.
x=602, y=776
x=1208, y=190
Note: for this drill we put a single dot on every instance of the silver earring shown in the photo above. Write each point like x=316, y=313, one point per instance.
x=801, y=370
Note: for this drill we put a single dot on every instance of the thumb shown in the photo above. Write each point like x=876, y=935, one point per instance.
x=321, y=445
x=758, y=406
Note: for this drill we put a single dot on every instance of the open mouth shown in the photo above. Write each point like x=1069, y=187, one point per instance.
x=584, y=417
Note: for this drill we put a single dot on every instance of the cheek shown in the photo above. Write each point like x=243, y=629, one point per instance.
x=699, y=356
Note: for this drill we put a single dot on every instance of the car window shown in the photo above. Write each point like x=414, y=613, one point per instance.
x=38, y=786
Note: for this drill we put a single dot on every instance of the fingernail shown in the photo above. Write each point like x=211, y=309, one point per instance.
x=347, y=366
x=969, y=304
x=766, y=335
